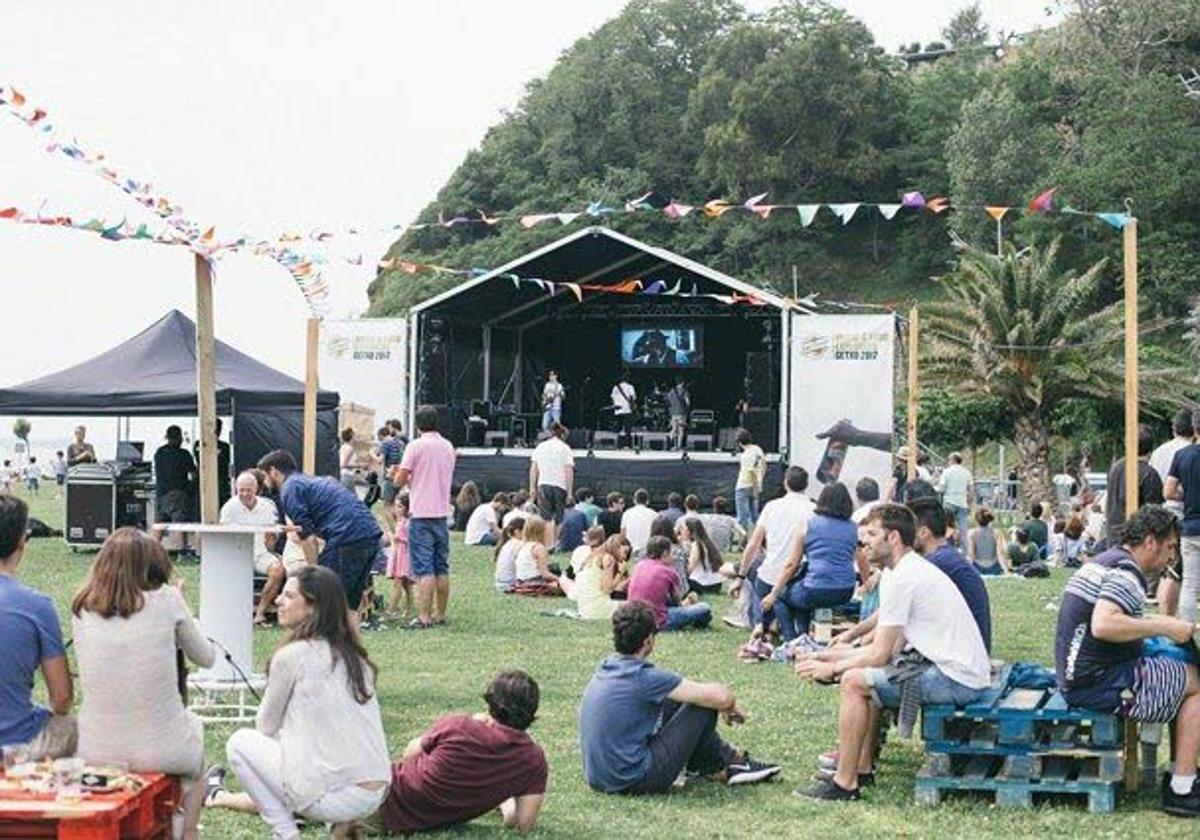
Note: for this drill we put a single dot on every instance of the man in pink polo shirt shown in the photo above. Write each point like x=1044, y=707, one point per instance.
x=428, y=466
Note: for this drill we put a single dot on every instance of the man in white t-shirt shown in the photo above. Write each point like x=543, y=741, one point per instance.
x=919, y=606
x=246, y=507
x=636, y=521
x=624, y=398
x=778, y=524
x=552, y=477
x=552, y=400
x=483, y=526
x=1183, y=427
x=955, y=487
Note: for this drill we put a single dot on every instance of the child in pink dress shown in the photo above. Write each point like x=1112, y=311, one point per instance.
x=398, y=568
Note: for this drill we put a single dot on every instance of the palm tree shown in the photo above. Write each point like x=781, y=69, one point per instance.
x=1012, y=326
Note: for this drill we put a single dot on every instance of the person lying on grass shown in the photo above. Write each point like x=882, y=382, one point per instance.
x=625, y=749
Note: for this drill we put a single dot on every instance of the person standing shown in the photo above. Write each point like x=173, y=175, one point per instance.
x=174, y=478
x=391, y=452
x=1149, y=489
x=752, y=469
x=1183, y=428
x=552, y=400
x=224, y=475
x=679, y=403
x=1183, y=485
x=955, y=487
x=323, y=508
x=428, y=465
x=80, y=452
x=552, y=477
x=59, y=467
x=624, y=398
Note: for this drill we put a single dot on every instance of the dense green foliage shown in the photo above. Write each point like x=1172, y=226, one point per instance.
x=696, y=99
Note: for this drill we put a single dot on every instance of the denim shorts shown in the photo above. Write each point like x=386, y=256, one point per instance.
x=936, y=689
x=429, y=547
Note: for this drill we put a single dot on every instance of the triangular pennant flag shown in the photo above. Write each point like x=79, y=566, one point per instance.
x=536, y=219
x=677, y=211
x=996, y=212
x=807, y=213
x=567, y=218
x=597, y=208
x=716, y=208
x=845, y=212
x=627, y=287
x=1117, y=220
x=9, y=213
x=516, y=281
x=674, y=290
x=17, y=97
x=763, y=211
x=575, y=290
x=485, y=218
x=751, y=202
x=939, y=204
x=888, y=211
x=1043, y=202
x=113, y=232
x=639, y=202
x=655, y=288
x=912, y=199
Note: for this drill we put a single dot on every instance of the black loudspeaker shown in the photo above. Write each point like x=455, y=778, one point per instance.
x=763, y=426
x=760, y=379
x=579, y=438
x=433, y=357
x=727, y=439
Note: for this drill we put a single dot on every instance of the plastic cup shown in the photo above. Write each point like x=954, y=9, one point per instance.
x=15, y=755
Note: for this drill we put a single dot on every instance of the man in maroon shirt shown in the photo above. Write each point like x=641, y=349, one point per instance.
x=465, y=766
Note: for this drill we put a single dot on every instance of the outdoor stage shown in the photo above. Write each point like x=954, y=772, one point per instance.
x=707, y=474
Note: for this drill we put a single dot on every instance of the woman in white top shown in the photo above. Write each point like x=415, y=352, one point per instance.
x=704, y=558
x=127, y=626
x=318, y=749
x=347, y=459
x=595, y=579
x=505, y=557
x=533, y=564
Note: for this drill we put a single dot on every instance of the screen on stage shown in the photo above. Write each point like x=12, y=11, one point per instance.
x=663, y=346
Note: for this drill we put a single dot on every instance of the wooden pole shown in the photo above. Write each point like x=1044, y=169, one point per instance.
x=913, y=332
x=206, y=393
x=310, y=395
x=1131, y=369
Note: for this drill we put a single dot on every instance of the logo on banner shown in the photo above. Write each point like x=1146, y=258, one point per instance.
x=362, y=348
x=846, y=346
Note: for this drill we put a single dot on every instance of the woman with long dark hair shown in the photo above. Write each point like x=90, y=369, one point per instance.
x=127, y=622
x=828, y=544
x=318, y=749
x=704, y=558
x=465, y=502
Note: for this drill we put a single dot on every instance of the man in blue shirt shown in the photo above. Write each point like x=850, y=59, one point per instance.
x=32, y=641
x=640, y=728
x=931, y=542
x=570, y=530
x=322, y=507
x=391, y=452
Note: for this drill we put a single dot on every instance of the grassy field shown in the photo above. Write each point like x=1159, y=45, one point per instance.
x=426, y=674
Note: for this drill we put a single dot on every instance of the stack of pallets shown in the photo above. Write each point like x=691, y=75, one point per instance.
x=1022, y=745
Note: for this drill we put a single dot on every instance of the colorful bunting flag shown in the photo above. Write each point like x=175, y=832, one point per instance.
x=913, y=199
x=888, y=211
x=997, y=213
x=845, y=212
x=1043, y=202
x=807, y=213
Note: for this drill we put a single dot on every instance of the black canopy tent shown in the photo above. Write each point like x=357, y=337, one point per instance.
x=153, y=374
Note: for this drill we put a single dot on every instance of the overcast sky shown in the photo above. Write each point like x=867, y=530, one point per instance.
x=260, y=116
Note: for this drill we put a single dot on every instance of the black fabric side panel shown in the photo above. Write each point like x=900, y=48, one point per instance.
x=506, y=473
x=255, y=433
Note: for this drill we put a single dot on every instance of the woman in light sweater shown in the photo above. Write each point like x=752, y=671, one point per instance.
x=318, y=749
x=127, y=627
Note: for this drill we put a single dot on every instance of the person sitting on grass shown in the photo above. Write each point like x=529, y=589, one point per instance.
x=32, y=641
x=505, y=556
x=483, y=526
x=1021, y=552
x=611, y=516
x=1098, y=654
x=918, y=606
x=680, y=555
x=318, y=748
x=704, y=558
x=585, y=501
x=571, y=529
x=723, y=527
x=595, y=579
x=656, y=583
x=533, y=561
x=618, y=548
x=467, y=765
x=641, y=728
x=985, y=545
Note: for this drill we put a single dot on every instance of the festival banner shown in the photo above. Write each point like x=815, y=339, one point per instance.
x=365, y=361
x=840, y=427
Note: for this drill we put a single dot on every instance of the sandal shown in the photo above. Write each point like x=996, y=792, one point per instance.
x=417, y=624
x=214, y=783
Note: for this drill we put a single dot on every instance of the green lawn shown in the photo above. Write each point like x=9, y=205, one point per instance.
x=426, y=674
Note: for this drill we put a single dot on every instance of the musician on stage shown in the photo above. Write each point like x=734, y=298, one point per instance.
x=624, y=398
x=552, y=400
x=679, y=402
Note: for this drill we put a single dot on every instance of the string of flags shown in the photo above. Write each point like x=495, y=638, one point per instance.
x=305, y=266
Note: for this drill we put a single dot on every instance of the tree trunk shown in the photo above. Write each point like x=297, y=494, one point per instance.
x=1033, y=464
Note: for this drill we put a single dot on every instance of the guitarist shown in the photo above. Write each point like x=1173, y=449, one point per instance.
x=624, y=399
x=552, y=400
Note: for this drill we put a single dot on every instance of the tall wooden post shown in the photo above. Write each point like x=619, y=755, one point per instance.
x=310, y=395
x=1131, y=368
x=206, y=393
x=913, y=332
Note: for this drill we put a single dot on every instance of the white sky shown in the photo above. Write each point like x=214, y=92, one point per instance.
x=260, y=116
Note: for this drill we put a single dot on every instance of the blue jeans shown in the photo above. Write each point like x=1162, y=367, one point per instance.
x=352, y=563
x=936, y=689
x=696, y=615
x=487, y=539
x=551, y=415
x=961, y=523
x=429, y=547
x=745, y=501
x=795, y=605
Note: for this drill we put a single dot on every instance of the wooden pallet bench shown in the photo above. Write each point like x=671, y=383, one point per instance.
x=1019, y=721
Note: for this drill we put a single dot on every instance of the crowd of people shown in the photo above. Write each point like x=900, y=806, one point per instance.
x=909, y=570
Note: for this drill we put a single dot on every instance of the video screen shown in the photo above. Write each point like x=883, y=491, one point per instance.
x=662, y=346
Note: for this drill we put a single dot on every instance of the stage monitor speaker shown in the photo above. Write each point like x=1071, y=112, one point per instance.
x=763, y=426
x=727, y=439
x=760, y=379
x=579, y=438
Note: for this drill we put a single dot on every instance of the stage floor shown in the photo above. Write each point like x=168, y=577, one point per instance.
x=707, y=474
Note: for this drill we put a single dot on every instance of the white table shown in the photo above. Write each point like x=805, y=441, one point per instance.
x=226, y=608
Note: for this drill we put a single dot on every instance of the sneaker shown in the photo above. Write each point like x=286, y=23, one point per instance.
x=736, y=621
x=214, y=783
x=1186, y=805
x=755, y=651
x=828, y=760
x=829, y=791
x=826, y=775
x=748, y=771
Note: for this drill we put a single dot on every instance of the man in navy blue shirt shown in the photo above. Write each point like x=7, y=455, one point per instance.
x=1098, y=647
x=391, y=452
x=1183, y=485
x=570, y=531
x=640, y=727
x=322, y=507
x=931, y=542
